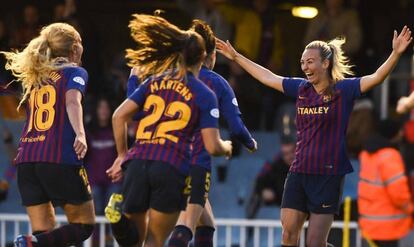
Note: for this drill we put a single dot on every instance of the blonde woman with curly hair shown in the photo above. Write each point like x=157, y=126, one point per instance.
x=52, y=146
x=324, y=101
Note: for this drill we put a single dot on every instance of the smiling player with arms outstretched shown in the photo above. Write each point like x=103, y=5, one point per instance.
x=324, y=101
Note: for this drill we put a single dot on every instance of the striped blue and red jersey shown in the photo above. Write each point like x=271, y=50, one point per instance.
x=47, y=135
x=322, y=121
x=229, y=109
x=172, y=110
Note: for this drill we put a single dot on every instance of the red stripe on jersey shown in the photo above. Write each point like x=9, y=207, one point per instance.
x=338, y=130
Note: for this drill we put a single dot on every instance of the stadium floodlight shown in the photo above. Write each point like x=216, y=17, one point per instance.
x=304, y=12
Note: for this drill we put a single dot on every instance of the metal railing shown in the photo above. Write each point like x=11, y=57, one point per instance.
x=20, y=225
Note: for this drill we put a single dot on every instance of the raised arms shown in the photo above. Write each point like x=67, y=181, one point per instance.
x=259, y=72
x=399, y=43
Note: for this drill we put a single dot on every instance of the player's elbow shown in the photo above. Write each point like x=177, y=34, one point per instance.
x=117, y=117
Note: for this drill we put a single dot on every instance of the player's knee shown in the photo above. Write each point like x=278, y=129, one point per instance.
x=289, y=236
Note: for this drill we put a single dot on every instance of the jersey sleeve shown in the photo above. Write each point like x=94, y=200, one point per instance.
x=78, y=79
x=138, y=96
x=351, y=88
x=291, y=86
x=230, y=110
x=132, y=84
x=209, y=112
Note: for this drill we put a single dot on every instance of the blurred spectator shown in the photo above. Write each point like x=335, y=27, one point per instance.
x=10, y=172
x=249, y=95
x=29, y=28
x=207, y=11
x=333, y=21
x=118, y=76
x=269, y=184
x=361, y=125
x=101, y=154
x=4, y=46
x=384, y=201
x=247, y=28
x=270, y=55
x=261, y=44
x=59, y=12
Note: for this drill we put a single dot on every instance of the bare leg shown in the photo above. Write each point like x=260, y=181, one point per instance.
x=190, y=216
x=318, y=230
x=83, y=213
x=160, y=226
x=292, y=223
x=207, y=217
x=141, y=222
x=42, y=217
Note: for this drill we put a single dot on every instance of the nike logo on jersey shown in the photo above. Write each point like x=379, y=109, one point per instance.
x=326, y=205
x=302, y=97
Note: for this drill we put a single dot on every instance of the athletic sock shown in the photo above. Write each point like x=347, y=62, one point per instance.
x=70, y=234
x=180, y=237
x=204, y=236
x=125, y=232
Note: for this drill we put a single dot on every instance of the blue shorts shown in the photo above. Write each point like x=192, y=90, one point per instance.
x=153, y=184
x=311, y=193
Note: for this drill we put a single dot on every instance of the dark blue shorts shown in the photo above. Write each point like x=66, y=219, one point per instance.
x=60, y=184
x=200, y=185
x=311, y=193
x=153, y=184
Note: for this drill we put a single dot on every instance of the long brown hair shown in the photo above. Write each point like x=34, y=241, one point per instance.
x=162, y=46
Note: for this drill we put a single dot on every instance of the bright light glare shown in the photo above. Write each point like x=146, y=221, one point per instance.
x=304, y=12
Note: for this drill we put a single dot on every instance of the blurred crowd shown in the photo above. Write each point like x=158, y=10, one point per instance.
x=262, y=30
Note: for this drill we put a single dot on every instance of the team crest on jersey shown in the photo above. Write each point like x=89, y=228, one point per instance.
x=326, y=98
x=215, y=113
x=79, y=80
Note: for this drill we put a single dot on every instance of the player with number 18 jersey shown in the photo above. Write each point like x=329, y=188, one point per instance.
x=48, y=135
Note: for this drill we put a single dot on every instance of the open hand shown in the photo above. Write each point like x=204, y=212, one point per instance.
x=226, y=49
x=401, y=41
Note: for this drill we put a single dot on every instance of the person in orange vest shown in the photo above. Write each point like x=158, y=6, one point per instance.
x=384, y=201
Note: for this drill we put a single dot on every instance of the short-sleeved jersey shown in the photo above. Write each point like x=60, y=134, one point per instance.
x=133, y=83
x=228, y=109
x=48, y=135
x=172, y=110
x=322, y=121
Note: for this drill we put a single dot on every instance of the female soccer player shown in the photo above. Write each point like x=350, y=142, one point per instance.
x=200, y=159
x=173, y=105
x=324, y=102
x=49, y=161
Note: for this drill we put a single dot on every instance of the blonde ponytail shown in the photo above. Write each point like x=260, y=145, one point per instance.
x=46, y=53
x=338, y=63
